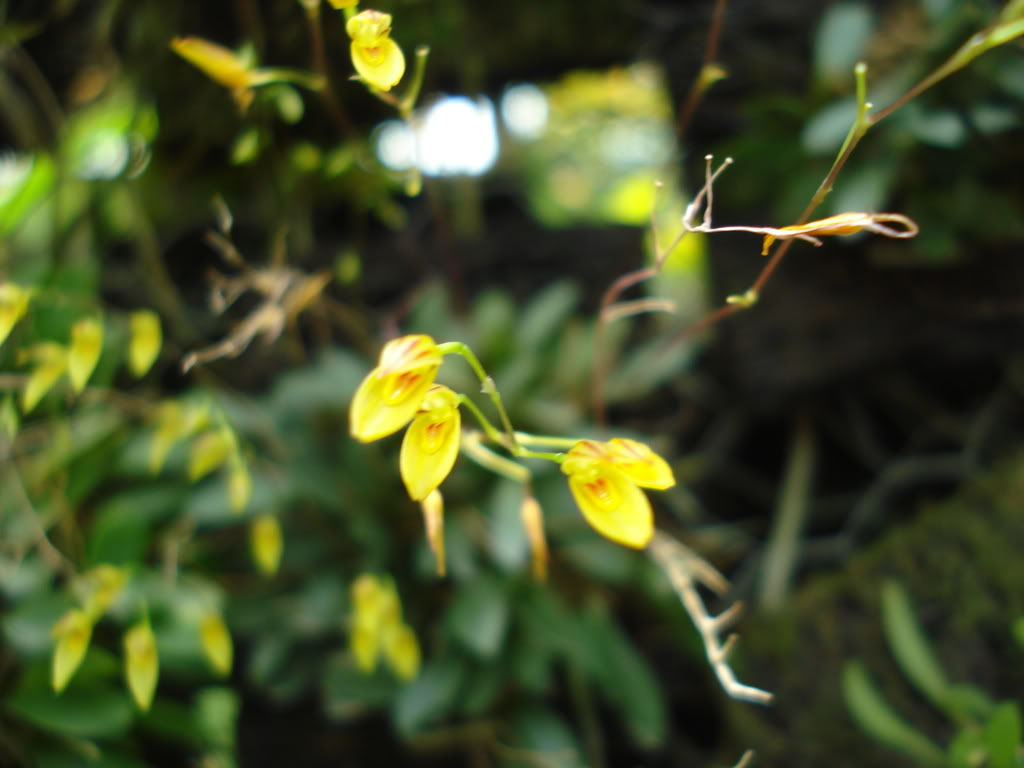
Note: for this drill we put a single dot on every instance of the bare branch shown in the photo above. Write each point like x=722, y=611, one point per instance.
x=685, y=569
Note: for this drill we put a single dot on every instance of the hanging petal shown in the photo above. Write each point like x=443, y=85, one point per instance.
x=431, y=444
x=72, y=633
x=84, y=352
x=141, y=664
x=146, y=341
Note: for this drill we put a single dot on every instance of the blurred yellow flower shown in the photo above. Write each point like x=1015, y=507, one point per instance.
x=216, y=640
x=72, y=634
x=14, y=302
x=266, y=543
x=141, y=663
x=342, y=4
x=51, y=361
x=402, y=651
x=84, y=352
x=433, y=519
x=376, y=57
x=146, y=340
x=377, y=628
x=431, y=443
x=605, y=479
x=391, y=394
x=220, y=64
x=102, y=585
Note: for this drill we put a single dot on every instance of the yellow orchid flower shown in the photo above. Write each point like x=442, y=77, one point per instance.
x=84, y=352
x=14, y=301
x=51, y=361
x=605, y=479
x=391, y=394
x=376, y=57
x=431, y=443
x=72, y=634
x=220, y=64
x=141, y=663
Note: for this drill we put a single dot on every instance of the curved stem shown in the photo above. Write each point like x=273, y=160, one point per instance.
x=487, y=386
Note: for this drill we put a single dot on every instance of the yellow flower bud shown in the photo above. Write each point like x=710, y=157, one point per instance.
x=72, y=634
x=433, y=518
x=51, y=363
x=218, y=63
x=266, y=543
x=141, y=663
x=216, y=640
x=239, y=485
x=146, y=340
x=376, y=57
x=431, y=444
x=103, y=584
x=533, y=520
x=14, y=302
x=209, y=451
x=391, y=394
x=84, y=353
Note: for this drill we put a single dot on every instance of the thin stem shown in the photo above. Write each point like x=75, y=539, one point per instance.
x=487, y=386
x=492, y=433
x=472, y=445
x=710, y=72
x=525, y=438
x=412, y=93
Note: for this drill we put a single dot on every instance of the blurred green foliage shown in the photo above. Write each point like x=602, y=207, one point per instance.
x=107, y=206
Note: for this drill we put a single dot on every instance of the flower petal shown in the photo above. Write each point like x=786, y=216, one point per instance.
x=381, y=64
x=640, y=464
x=612, y=504
x=431, y=444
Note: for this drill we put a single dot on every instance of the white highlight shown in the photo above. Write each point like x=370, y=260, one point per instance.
x=524, y=108
x=457, y=136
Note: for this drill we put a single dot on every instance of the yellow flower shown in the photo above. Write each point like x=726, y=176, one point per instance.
x=72, y=633
x=220, y=64
x=216, y=640
x=51, y=361
x=342, y=4
x=14, y=302
x=433, y=519
x=431, y=443
x=266, y=542
x=392, y=392
x=84, y=352
x=146, y=340
x=376, y=616
x=376, y=57
x=605, y=479
x=141, y=663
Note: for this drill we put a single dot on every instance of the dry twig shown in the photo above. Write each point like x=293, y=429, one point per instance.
x=685, y=570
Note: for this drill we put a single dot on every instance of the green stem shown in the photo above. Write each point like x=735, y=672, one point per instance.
x=473, y=446
x=487, y=387
x=525, y=438
x=412, y=93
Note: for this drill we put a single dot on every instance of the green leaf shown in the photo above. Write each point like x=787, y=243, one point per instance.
x=625, y=679
x=430, y=696
x=1018, y=631
x=506, y=534
x=543, y=739
x=348, y=691
x=546, y=314
x=76, y=712
x=909, y=645
x=874, y=715
x=1003, y=735
x=479, y=615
